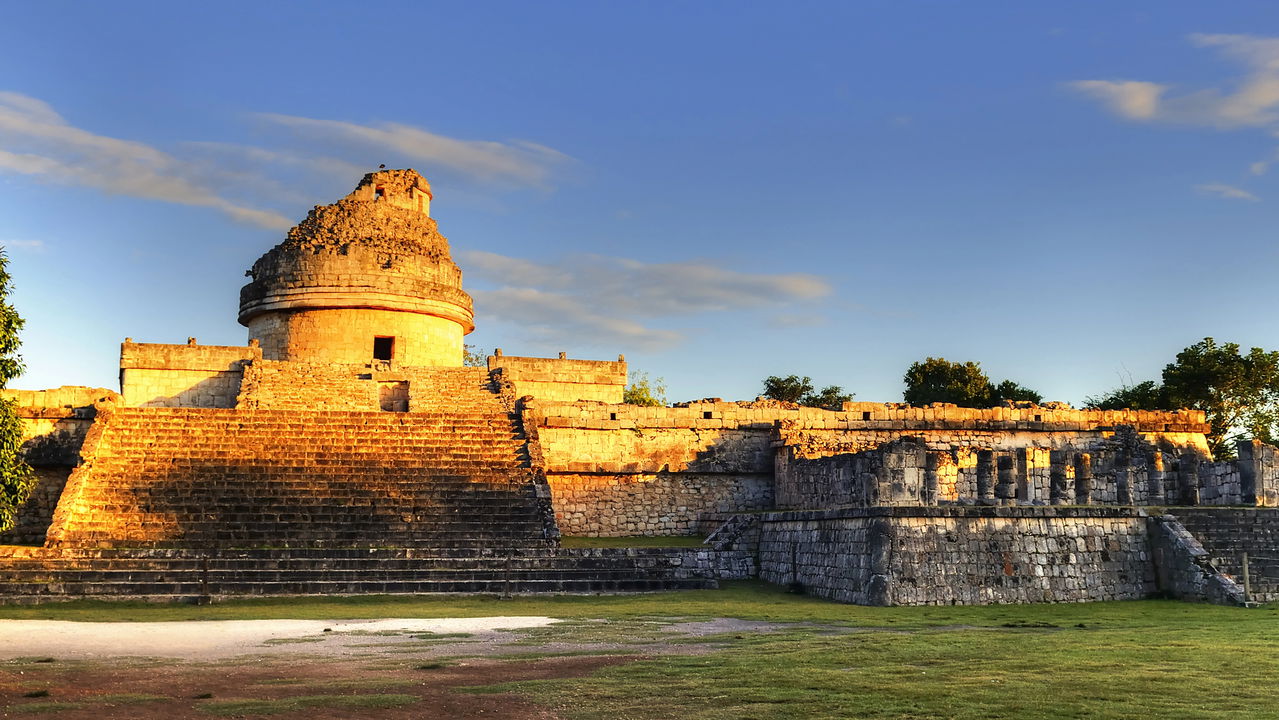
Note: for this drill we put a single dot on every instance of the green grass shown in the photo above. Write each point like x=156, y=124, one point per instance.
x=92, y=701
x=752, y=600
x=44, y=707
x=1099, y=660
x=636, y=541
x=1209, y=669
x=248, y=707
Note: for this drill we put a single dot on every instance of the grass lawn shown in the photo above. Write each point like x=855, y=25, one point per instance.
x=1101, y=660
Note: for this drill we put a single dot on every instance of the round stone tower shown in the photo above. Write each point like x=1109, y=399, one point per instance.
x=368, y=278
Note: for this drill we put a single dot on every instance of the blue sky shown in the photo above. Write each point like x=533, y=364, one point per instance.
x=1068, y=193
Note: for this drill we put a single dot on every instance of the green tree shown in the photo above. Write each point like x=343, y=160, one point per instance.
x=1009, y=391
x=1148, y=395
x=472, y=357
x=938, y=380
x=1239, y=394
x=791, y=388
x=643, y=390
x=16, y=478
x=800, y=390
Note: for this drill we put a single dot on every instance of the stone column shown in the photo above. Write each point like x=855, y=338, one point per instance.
x=1006, y=489
x=1123, y=478
x=1249, y=466
x=1025, y=485
x=1155, y=479
x=1057, y=478
x=985, y=477
x=931, y=462
x=1188, y=479
x=1083, y=479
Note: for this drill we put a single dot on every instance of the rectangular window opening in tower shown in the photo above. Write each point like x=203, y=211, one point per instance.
x=383, y=348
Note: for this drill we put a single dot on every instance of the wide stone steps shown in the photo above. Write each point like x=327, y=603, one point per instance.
x=43, y=575
x=217, y=478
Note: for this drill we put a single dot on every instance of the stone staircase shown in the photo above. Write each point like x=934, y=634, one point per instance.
x=196, y=504
x=35, y=575
x=1228, y=533
x=453, y=472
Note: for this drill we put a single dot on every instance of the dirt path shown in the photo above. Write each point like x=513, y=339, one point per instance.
x=206, y=640
x=320, y=670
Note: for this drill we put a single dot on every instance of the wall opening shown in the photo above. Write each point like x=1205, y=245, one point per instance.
x=379, y=192
x=393, y=396
x=383, y=348
x=865, y=415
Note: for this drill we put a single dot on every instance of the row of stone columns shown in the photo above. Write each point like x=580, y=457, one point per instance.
x=1005, y=479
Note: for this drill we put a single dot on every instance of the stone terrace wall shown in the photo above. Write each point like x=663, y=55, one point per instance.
x=562, y=379
x=158, y=375
x=624, y=466
x=280, y=385
x=967, y=556
x=619, y=505
x=626, y=470
x=276, y=385
x=54, y=426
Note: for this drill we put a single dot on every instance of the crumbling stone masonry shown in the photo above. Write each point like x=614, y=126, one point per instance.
x=345, y=449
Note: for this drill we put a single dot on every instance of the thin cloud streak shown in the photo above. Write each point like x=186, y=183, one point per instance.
x=522, y=162
x=612, y=301
x=1229, y=192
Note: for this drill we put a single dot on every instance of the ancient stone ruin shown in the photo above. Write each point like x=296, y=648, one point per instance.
x=346, y=449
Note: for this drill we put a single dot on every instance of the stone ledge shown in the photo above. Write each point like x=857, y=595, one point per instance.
x=1090, y=511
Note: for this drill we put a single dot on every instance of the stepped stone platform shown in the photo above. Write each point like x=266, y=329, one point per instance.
x=36, y=575
x=455, y=473
x=1227, y=533
x=286, y=496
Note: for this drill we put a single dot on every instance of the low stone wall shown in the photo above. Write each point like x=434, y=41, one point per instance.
x=943, y=556
x=563, y=379
x=652, y=503
x=191, y=375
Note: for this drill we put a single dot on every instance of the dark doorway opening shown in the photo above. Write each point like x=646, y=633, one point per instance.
x=383, y=348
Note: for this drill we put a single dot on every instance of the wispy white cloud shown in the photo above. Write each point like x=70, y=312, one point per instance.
x=1248, y=101
x=1131, y=99
x=1252, y=100
x=1223, y=190
x=308, y=158
x=518, y=161
x=35, y=140
x=612, y=301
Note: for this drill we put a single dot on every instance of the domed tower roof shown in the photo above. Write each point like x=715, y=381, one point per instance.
x=376, y=250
